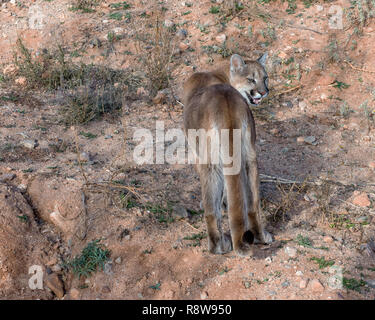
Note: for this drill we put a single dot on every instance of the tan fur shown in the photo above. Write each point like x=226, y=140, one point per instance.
x=211, y=102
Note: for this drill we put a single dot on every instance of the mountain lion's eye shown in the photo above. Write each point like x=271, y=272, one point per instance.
x=251, y=80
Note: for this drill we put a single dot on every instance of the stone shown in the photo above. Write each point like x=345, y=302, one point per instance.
x=316, y=286
x=326, y=79
x=268, y=260
x=183, y=46
x=181, y=34
x=10, y=70
x=55, y=284
x=108, y=268
x=84, y=157
x=204, y=295
x=74, y=294
x=303, y=283
x=285, y=284
x=21, y=81
x=291, y=252
x=362, y=200
x=160, y=97
x=118, y=260
x=299, y=273
x=168, y=23
x=302, y=105
x=300, y=139
x=180, y=211
x=106, y=289
x=221, y=38
x=310, y=140
x=6, y=177
x=141, y=91
x=362, y=219
x=30, y=144
x=282, y=55
x=370, y=283
x=328, y=239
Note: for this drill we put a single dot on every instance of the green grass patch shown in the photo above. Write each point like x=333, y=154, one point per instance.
x=322, y=262
x=93, y=256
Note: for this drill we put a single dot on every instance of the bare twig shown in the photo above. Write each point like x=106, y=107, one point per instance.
x=358, y=69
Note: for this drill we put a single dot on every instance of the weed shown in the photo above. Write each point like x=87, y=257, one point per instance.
x=322, y=262
x=353, y=284
x=214, y=10
x=304, y=241
x=196, y=238
x=85, y=6
x=88, y=135
x=156, y=286
x=94, y=255
x=24, y=218
x=341, y=85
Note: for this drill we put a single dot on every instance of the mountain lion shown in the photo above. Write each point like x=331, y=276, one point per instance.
x=217, y=101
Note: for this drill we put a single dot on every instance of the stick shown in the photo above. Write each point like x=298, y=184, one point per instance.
x=290, y=89
x=358, y=69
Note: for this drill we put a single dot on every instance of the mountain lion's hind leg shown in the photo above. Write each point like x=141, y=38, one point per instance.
x=212, y=185
x=254, y=214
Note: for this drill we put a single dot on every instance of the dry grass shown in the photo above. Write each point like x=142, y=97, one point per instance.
x=155, y=46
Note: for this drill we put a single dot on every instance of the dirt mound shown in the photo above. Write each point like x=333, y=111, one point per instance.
x=21, y=244
x=61, y=203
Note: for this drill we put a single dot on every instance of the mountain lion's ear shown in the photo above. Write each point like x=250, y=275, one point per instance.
x=262, y=59
x=236, y=64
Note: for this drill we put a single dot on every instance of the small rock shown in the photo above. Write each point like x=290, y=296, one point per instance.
x=268, y=260
x=168, y=23
x=30, y=144
x=74, y=294
x=287, y=104
x=285, y=284
x=181, y=34
x=282, y=55
x=6, y=177
x=302, y=105
x=160, y=97
x=84, y=157
x=56, y=268
x=291, y=252
x=21, y=81
x=362, y=219
x=221, y=38
x=300, y=139
x=362, y=200
x=118, y=260
x=299, y=273
x=328, y=239
x=106, y=289
x=180, y=211
x=141, y=91
x=372, y=165
x=326, y=80
x=183, y=46
x=247, y=284
x=10, y=70
x=303, y=283
x=204, y=295
x=55, y=284
x=310, y=140
x=316, y=286
x=108, y=268
x=95, y=42
x=370, y=283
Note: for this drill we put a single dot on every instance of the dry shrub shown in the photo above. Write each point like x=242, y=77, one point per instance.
x=155, y=46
